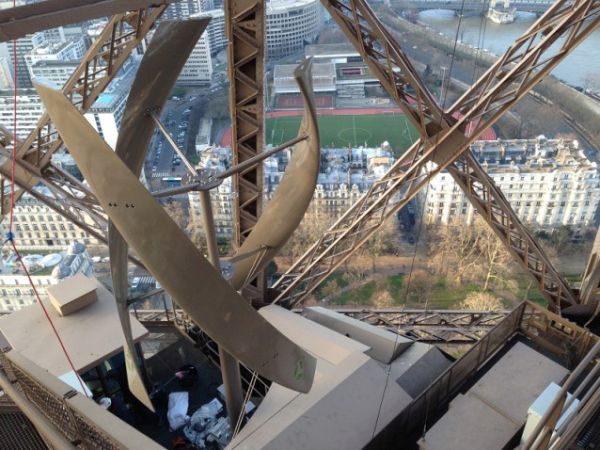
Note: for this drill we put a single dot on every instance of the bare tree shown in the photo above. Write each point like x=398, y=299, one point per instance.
x=495, y=258
x=454, y=251
x=420, y=285
x=382, y=299
x=313, y=226
x=470, y=253
x=384, y=240
x=178, y=213
x=481, y=301
x=198, y=238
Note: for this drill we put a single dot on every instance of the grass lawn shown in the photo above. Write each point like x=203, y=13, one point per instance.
x=441, y=296
x=341, y=131
x=359, y=296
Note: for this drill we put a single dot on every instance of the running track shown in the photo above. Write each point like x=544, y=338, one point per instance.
x=487, y=135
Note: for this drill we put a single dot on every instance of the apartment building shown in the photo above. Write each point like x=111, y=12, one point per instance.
x=548, y=182
x=345, y=175
x=37, y=227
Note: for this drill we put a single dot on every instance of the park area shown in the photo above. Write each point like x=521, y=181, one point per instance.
x=339, y=131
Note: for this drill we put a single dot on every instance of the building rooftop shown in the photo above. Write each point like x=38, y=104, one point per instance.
x=318, y=70
x=532, y=155
x=331, y=50
x=98, y=323
x=281, y=6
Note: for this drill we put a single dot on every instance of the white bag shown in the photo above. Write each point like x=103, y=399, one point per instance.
x=177, y=412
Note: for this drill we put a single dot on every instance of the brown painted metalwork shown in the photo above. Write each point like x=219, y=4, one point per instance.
x=290, y=201
x=432, y=326
x=245, y=29
x=523, y=65
x=173, y=259
x=566, y=341
x=22, y=20
x=67, y=415
x=102, y=62
x=590, y=284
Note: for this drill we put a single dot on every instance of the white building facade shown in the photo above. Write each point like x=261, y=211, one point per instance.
x=106, y=115
x=198, y=69
x=58, y=72
x=29, y=111
x=290, y=24
x=548, y=182
x=345, y=175
x=215, y=29
x=37, y=227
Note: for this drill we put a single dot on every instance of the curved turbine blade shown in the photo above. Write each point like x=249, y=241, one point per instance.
x=168, y=51
x=163, y=60
x=175, y=262
x=284, y=212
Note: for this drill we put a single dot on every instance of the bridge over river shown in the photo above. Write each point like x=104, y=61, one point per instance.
x=473, y=6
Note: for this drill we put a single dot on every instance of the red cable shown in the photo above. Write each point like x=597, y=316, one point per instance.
x=39, y=300
x=14, y=149
x=10, y=226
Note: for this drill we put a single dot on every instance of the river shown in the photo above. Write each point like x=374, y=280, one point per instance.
x=580, y=68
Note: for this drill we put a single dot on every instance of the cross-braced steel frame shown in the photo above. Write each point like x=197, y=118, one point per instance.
x=443, y=141
x=245, y=29
x=67, y=195
x=442, y=144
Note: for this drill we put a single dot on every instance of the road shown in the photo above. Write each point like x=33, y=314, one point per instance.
x=181, y=117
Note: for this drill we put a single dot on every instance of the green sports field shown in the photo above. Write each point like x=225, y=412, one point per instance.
x=341, y=131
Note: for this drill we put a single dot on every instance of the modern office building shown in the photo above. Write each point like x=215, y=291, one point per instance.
x=198, y=68
x=28, y=113
x=71, y=50
x=56, y=71
x=106, y=115
x=290, y=24
x=215, y=29
x=183, y=9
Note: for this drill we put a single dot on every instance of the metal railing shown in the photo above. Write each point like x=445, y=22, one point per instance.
x=565, y=340
x=428, y=326
x=544, y=436
x=62, y=414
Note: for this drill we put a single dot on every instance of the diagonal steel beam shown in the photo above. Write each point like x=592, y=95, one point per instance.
x=22, y=20
x=522, y=67
x=122, y=35
x=590, y=283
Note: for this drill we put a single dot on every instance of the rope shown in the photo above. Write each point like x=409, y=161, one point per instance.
x=10, y=235
x=238, y=424
x=55, y=331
